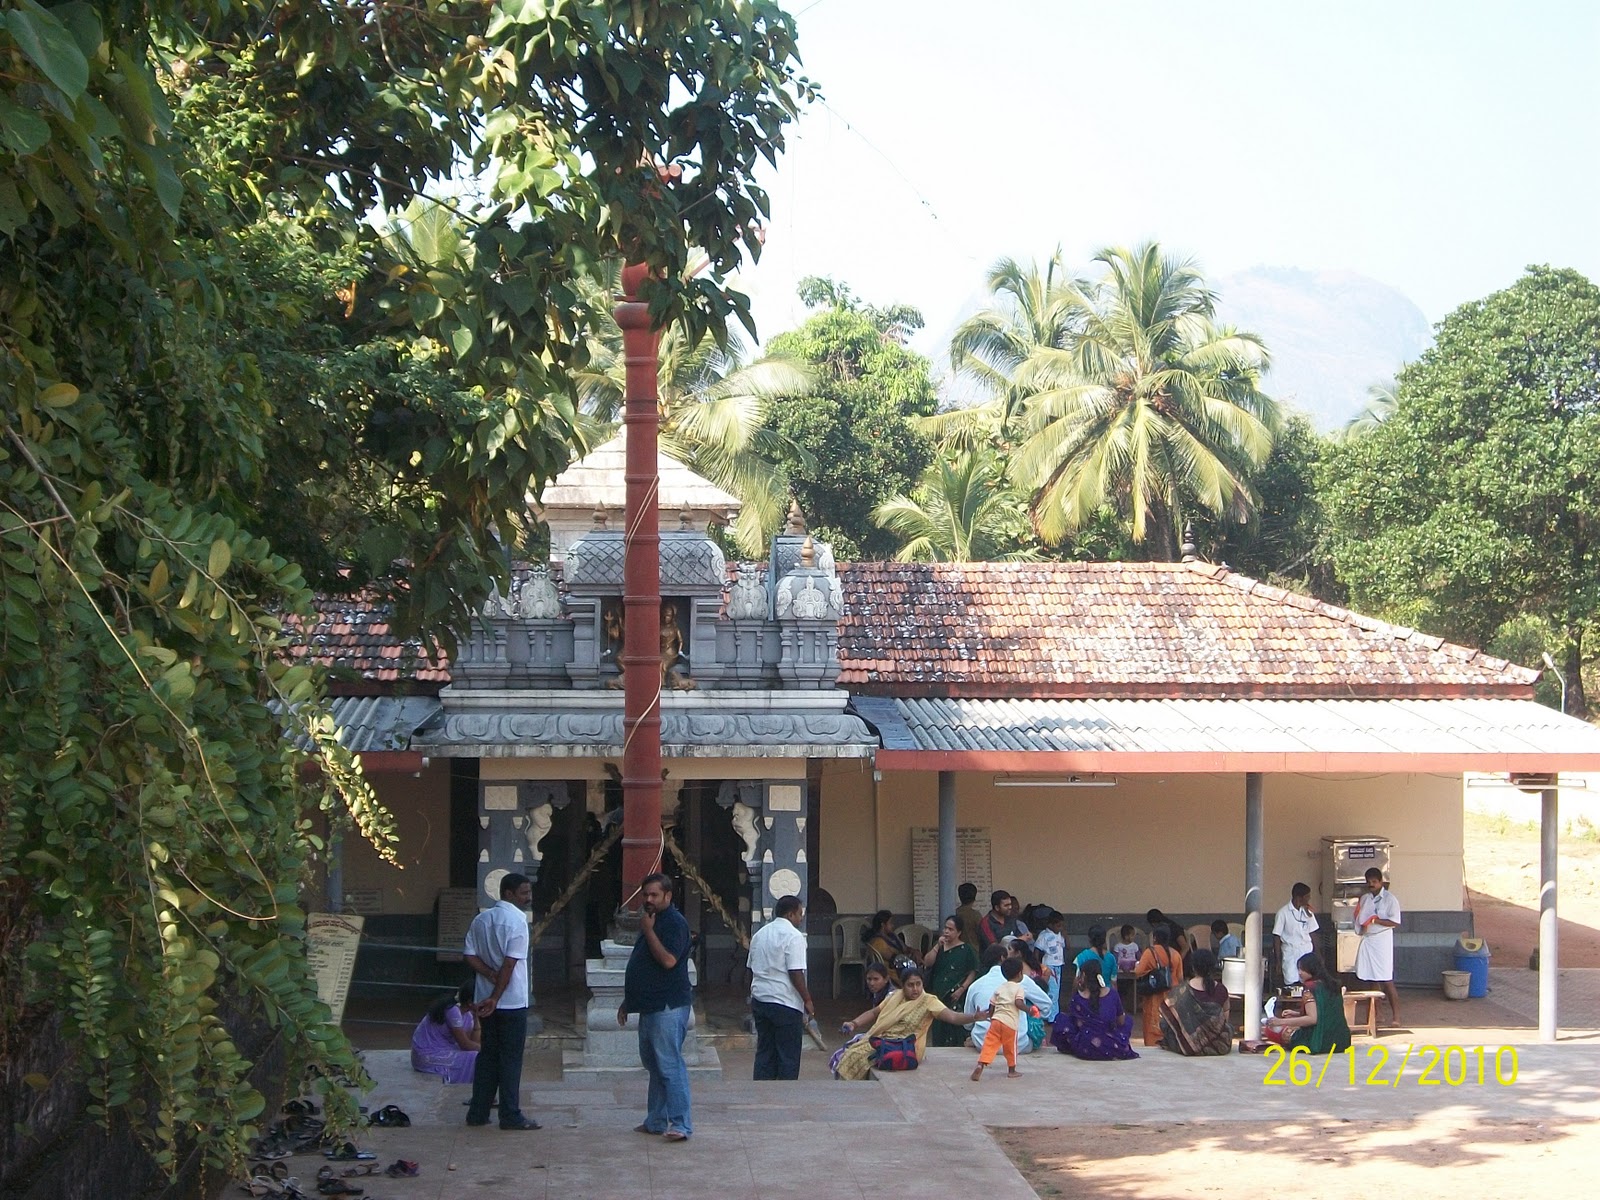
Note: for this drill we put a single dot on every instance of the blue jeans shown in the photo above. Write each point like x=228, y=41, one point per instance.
x=499, y=1067
x=661, y=1037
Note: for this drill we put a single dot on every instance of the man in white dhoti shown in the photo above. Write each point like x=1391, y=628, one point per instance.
x=1377, y=917
x=1292, y=929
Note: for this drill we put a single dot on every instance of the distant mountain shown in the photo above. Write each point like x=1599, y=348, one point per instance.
x=1332, y=334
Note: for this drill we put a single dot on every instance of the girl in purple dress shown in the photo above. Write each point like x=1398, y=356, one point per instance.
x=446, y=1041
x=1093, y=1025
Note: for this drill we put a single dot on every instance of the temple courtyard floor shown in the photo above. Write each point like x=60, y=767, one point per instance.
x=1154, y=1128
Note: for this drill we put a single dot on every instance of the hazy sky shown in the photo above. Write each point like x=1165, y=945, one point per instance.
x=1437, y=147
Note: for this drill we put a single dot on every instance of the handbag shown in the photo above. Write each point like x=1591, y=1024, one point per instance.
x=894, y=1054
x=1158, y=980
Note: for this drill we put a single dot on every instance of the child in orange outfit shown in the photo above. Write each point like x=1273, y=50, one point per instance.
x=1008, y=1002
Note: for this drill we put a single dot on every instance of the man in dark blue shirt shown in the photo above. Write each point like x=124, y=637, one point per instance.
x=656, y=989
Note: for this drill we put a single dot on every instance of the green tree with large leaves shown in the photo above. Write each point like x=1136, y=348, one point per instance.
x=1152, y=409
x=1473, y=506
x=856, y=428
x=961, y=511
x=285, y=284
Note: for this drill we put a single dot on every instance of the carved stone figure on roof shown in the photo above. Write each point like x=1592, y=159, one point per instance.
x=674, y=662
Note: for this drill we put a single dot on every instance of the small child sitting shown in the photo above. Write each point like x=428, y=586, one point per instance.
x=1127, y=950
x=879, y=985
x=1228, y=946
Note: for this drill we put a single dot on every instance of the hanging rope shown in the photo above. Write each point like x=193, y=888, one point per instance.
x=578, y=880
x=694, y=877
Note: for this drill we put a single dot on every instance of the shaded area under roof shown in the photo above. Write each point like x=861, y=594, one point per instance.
x=1200, y=735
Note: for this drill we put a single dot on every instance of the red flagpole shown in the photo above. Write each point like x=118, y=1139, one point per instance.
x=641, y=638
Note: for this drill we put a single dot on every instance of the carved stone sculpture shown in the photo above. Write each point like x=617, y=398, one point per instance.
x=538, y=600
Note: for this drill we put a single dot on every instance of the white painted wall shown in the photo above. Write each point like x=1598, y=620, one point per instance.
x=1175, y=843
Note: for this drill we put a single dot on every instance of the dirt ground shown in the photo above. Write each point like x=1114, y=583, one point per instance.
x=1432, y=1159
x=1502, y=876
x=1313, y=1160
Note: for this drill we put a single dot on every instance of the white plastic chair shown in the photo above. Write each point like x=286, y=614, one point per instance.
x=847, y=950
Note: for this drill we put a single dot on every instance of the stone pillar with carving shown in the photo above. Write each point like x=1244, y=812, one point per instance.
x=513, y=819
x=742, y=636
x=541, y=644
x=770, y=818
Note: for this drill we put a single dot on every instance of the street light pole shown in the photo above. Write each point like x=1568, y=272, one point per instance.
x=1551, y=663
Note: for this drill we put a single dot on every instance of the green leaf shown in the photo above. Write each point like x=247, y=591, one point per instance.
x=221, y=555
x=23, y=131
x=50, y=47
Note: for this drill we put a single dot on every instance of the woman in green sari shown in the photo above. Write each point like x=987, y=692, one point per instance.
x=1321, y=1029
x=952, y=965
x=906, y=1013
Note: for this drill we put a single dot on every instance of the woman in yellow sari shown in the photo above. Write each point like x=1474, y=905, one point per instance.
x=905, y=1013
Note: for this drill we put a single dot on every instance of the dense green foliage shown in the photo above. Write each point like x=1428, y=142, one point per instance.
x=1473, y=504
x=237, y=337
x=855, y=427
x=1284, y=540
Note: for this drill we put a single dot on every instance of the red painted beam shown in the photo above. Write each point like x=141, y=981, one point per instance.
x=1202, y=762
x=641, y=588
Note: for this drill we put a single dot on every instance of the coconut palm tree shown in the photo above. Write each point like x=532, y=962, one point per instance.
x=715, y=410
x=960, y=511
x=1151, y=409
x=1381, y=401
x=1037, y=308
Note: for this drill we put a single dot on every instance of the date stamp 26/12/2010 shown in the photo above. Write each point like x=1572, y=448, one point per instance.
x=1379, y=1066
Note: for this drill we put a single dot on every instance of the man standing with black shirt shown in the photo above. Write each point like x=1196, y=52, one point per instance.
x=656, y=988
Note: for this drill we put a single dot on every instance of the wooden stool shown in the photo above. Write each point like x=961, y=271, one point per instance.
x=1350, y=1001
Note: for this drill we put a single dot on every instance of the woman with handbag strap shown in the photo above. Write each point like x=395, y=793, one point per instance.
x=906, y=1013
x=1162, y=965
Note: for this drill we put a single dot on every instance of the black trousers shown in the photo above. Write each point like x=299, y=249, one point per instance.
x=779, y=1029
x=499, y=1066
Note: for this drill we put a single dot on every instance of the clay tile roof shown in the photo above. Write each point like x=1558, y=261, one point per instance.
x=351, y=636
x=1130, y=630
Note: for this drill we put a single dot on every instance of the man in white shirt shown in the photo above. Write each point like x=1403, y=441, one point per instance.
x=982, y=992
x=1377, y=917
x=1292, y=929
x=497, y=951
x=779, y=998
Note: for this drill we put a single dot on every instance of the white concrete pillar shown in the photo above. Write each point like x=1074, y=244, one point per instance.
x=949, y=862
x=1549, y=929
x=1254, y=883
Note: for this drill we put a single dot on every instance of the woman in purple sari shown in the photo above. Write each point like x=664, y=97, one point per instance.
x=1093, y=1025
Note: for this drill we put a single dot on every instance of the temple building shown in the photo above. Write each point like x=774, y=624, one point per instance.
x=1101, y=737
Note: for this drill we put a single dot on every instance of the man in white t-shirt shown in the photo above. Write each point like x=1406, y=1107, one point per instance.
x=1377, y=917
x=780, y=1001
x=497, y=951
x=1292, y=930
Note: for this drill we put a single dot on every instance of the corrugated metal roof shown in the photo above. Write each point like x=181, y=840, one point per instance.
x=368, y=723
x=1465, y=727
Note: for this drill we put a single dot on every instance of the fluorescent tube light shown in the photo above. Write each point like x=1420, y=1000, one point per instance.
x=1054, y=781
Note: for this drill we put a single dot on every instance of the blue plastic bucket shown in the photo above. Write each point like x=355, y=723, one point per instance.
x=1472, y=956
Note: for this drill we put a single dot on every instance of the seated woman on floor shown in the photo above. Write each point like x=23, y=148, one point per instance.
x=1321, y=1029
x=447, y=1040
x=906, y=1014
x=1194, y=1014
x=881, y=939
x=1093, y=1025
